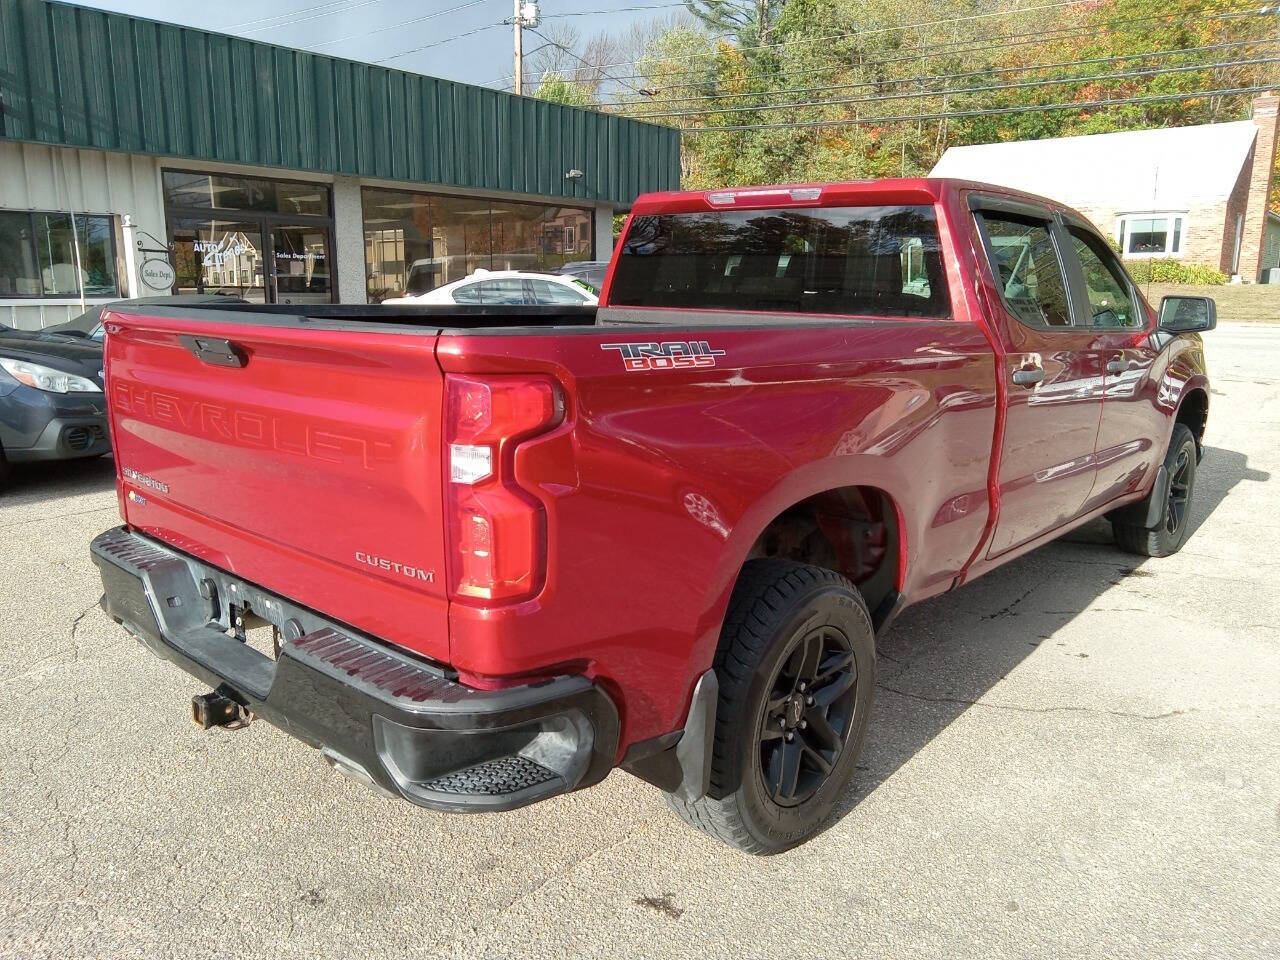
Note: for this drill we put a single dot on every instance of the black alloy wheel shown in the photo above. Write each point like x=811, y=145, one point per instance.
x=806, y=720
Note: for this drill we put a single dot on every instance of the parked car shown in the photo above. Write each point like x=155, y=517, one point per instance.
x=591, y=272
x=481, y=561
x=89, y=323
x=506, y=287
x=51, y=402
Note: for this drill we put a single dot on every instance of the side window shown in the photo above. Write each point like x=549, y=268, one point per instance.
x=1026, y=266
x=508, y=291
x=1110, y=302
x=467, y=293
x=544, y=291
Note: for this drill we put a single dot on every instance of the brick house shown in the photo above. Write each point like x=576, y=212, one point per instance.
x=1197, y=194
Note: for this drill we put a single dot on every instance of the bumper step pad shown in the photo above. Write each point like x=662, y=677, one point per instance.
x=494, y=778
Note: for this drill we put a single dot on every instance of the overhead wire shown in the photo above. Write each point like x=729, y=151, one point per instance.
x=1089, y=61
x=954, y=91
x=985, y=112
x=971, y=45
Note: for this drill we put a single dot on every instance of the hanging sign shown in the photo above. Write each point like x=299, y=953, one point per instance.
x=157, y=275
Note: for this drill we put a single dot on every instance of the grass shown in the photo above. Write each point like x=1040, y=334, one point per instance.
x=1237, y=302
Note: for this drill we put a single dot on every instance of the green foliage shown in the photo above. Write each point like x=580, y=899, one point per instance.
x=559, y=89
x=847, y=89
x=1174, y=271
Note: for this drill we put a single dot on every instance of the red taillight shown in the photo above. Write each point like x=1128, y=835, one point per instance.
x=497, y=531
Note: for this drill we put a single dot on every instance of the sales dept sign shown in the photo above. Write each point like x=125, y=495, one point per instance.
x=157, y=275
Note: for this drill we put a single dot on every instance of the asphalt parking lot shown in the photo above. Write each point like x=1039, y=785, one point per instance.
x=1077, y=755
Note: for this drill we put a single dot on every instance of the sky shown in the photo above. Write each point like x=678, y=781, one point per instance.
x=372, y=30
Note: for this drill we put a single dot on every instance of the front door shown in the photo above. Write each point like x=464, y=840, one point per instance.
x=1131, y=411
x=1054, y=375
x=300, y=264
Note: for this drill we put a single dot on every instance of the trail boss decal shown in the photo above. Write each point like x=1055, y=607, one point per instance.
x=668, y=355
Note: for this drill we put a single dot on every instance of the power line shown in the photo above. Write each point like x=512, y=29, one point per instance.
x=588, y=13
x=589, y=66
x=294, y=13
x=291, y=19
x=854, y=33
x=1173, y=51
x=964, y=47
x=952, y=91
x=878, y=31
x=402, y=24
x=988, y=112
x=428, y=46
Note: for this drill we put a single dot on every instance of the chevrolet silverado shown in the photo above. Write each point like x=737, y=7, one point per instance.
x=480, y=556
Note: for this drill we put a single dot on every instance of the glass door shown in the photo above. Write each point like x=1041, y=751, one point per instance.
x=300, y=264
x=219, y=256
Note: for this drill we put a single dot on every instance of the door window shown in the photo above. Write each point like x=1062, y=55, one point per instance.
x=509, y=290
x=544, y=291
x=301, y=262
x=1110, y=302
x=219, y=256
x=1026, y=267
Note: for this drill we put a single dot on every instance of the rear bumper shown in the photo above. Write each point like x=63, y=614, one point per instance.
x=391, y=720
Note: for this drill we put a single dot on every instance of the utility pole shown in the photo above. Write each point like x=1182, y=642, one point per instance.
x=518, y=22
x=525, y=15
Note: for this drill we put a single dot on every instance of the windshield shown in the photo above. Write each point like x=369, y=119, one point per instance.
x=874, y=261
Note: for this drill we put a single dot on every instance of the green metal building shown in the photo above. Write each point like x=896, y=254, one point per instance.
x=134, y=153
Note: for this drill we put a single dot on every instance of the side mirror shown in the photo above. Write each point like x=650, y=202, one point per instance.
x=1187, y=314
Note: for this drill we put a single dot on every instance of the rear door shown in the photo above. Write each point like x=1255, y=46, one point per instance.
x=1054, y=374
x=301, y=455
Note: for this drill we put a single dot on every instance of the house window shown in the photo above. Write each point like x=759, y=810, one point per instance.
x=1151, y=234
x=57, y=255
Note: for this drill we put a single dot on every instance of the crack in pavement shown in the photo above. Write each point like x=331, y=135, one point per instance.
x=1007, y=610
x=55, y=516
x=1019, y=709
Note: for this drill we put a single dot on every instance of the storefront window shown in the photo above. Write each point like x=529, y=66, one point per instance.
x=460, y=238
x=272, y=247
x=397, y=243
x=415, y=242
x=183, y=188
x=39, y=254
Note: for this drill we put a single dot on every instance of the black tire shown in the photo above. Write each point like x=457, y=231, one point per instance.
x=786, y=621
x=1169, y=536
x=4, y=467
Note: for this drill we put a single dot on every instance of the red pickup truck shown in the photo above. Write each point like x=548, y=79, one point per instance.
x=480, y=556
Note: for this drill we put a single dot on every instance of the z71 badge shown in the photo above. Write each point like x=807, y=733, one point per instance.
x=668, y=355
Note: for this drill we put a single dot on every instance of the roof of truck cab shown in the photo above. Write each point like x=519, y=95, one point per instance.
x=890, y=191
x=905, y=190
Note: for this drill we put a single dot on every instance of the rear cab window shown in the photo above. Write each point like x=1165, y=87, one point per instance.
x=880, y=261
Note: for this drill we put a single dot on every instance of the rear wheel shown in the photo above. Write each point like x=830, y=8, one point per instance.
x=1174, y=526
x=796, y=669
x=4, y=467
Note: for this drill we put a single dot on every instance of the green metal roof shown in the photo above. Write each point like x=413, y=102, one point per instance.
x=87, y=78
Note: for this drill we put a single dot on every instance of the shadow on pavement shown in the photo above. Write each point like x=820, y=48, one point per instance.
x=942, y=656
x=31, y=483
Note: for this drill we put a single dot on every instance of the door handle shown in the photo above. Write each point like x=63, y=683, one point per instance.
x=1119, y=365
x=1028, y=376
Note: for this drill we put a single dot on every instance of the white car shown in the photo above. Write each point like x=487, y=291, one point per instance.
x=514, y=287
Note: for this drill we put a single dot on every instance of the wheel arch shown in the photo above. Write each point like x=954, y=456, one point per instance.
x=834, y=485
x=1193, y=410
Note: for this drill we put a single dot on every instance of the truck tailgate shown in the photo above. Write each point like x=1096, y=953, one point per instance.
x=301, y=456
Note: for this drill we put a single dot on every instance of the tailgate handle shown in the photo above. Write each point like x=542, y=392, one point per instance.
x=219, y=352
